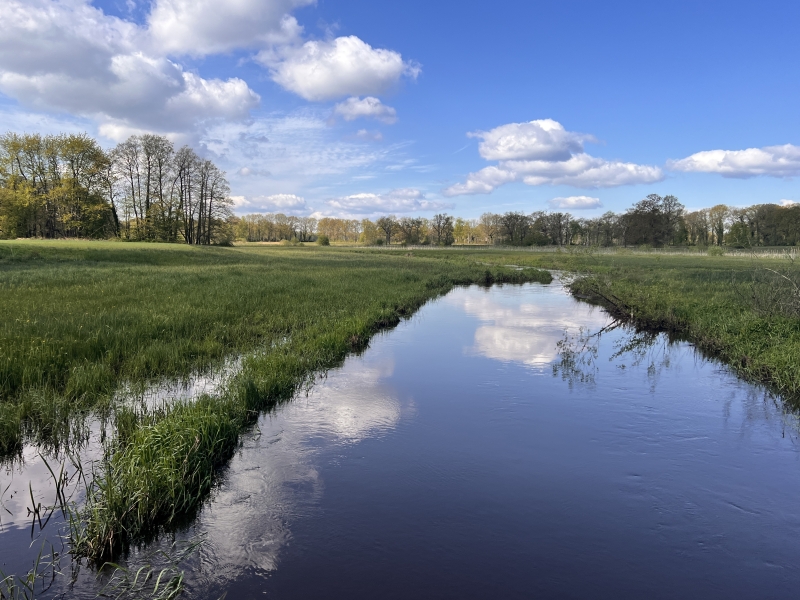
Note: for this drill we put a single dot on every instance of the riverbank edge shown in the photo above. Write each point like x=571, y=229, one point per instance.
x=591, y=289
x=164, y=465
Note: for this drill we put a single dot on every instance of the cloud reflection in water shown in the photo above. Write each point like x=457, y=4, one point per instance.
x=275, y=479
x=526, y=332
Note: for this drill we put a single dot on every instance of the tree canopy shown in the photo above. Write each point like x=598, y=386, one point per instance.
x=143, y=189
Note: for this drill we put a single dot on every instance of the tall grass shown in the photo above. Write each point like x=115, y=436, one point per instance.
x=79, y=318
x=83, y=318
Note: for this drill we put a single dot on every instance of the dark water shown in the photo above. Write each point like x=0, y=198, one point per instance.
x=451, y=462
x=494, y=446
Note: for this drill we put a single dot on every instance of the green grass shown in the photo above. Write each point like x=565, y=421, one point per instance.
x=82, y=318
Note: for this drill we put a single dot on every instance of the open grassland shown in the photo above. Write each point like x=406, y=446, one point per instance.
x=81, y=318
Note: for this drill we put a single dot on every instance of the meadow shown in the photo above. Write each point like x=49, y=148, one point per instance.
x=81, y=319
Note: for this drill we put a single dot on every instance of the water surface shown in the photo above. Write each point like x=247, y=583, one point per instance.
x=509, y=443
x=472, y=453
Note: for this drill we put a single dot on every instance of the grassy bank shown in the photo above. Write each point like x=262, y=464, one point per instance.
x=81, y=318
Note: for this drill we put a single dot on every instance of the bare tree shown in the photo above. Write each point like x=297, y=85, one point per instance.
x=388, y=225
x=161, y=207
x=442, y=229
x=186, y=165
x=490, y=226
x=127, y=158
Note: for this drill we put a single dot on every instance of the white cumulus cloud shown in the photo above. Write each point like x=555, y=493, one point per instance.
x=482, y=182
x=365, y=108
x=544, y=139
x=397, y=201
x=575, y=203
x=286, y=203
x=67, y=56
x=345, y=66
x=544, y=153
x=202, y=27
x=583, y=171
x=770, y=161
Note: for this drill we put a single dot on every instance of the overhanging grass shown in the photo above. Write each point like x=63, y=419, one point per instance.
x=704, y=309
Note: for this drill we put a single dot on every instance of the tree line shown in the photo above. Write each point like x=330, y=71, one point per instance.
x=654, y=221
x=56, y=186
x=144, y=189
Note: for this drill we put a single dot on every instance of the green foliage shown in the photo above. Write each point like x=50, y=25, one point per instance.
x=53, y=186
x=738, y=236
x=159, y=474
x=323, y=240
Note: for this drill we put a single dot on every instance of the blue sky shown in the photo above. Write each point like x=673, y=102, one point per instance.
x=357, y=108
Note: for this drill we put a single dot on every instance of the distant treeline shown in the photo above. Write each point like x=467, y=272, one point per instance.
x=654, y=221
x=58, y=186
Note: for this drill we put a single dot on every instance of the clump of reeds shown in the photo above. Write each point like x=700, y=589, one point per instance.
x=160, y=473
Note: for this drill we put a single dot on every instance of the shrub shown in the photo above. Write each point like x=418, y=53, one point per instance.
x=323, y=240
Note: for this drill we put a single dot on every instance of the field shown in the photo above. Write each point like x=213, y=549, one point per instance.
x=80, y=319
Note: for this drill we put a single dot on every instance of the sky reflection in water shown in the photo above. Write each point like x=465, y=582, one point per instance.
x=495, y=446
x=449, y=461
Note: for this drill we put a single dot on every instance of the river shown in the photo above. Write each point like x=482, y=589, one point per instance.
x=509, y=442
